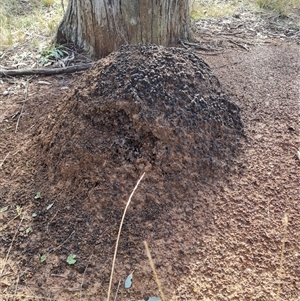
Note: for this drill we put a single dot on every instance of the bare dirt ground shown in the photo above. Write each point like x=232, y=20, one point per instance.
x=227, y=231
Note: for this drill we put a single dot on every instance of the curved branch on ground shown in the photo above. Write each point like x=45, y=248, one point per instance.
x=69, y=69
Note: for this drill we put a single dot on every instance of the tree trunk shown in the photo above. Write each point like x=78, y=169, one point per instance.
x=102, y=26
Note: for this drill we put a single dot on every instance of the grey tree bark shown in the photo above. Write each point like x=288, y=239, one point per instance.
x=102, y=26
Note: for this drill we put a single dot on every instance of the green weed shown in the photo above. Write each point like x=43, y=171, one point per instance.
x=54, y=52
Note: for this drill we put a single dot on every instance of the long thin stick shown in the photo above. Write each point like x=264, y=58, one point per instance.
x=11, y=244
x=285, y=222
x=16, y=288
x=56, y=248
x=119, y=234
x=80, y=294
x=4, y=159
x=6, y=225
x=69, y=69
x=26, y=94
x=29, y=297
x=116, y=295
x=154, y=271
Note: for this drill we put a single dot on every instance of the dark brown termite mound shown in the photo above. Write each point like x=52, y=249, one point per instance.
x=142, y=108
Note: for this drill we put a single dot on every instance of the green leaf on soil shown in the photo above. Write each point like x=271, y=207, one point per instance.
x=128, y=281
x=3, y=209
x=38, y=195
x=43, y=258
x=71, y=259
x=28, y=230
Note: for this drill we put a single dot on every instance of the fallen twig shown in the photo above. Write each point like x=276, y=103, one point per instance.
x=16, y=288
x=69, y=69
x=237, y=44
x=181, y=42
x=19, y=116
x=197, y=46
x=119, y=234
x=51, y=220
x=154, y=272
x=22, y=296
x=116, y=295
x=11, y=244
x=293, y=146
x=285, y=222
x=6, y=225
x=80, y=294
x=4, y=159
x=62, y=243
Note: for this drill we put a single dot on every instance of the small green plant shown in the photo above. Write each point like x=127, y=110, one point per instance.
x=43, y=258
x=28, y=230
x=54, y=52
x=3, y=209
x=71, y=259
x=38, y=195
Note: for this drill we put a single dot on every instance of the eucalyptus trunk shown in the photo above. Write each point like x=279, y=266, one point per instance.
x=102, y=26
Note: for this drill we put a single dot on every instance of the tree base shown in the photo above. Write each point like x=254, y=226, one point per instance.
x=103, y=27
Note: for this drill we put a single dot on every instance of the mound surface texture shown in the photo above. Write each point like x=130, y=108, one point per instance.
x=141, y=108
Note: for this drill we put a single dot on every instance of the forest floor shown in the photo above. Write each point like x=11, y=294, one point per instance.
x=230, y=232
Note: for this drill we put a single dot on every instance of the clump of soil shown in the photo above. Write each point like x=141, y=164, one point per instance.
x=141, y=108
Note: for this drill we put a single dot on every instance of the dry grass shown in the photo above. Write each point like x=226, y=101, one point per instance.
x=201, y=9
x=282, y=7
x=33, y=22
